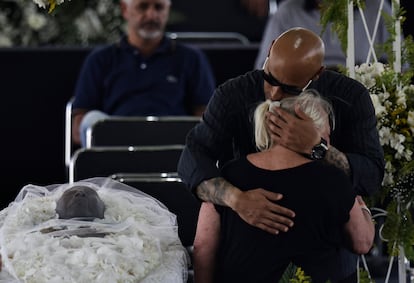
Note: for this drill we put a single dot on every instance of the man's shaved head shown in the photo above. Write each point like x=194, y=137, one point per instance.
x=296, y=56
x=80, y=201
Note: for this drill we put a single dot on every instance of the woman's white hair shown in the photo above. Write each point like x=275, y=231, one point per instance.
x=309, y=101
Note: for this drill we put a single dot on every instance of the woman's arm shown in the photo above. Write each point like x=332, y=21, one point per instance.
x=206, y=243
x=360, y=228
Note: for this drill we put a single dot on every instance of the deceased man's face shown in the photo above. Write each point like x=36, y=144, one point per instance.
x=80, y=201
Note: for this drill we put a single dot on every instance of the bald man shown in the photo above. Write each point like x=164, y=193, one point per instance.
x=80, y=201
x=295, y=62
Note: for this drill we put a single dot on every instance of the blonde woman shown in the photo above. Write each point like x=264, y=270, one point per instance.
x=329, y=214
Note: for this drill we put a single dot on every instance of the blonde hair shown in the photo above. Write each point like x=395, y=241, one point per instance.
x=309, y=101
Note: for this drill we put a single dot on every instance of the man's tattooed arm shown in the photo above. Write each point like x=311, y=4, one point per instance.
x=216, y=190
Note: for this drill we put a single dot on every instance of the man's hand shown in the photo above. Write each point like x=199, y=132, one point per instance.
x=297, y=134
x=256, y=207
x=77, y=116
x=300, y=135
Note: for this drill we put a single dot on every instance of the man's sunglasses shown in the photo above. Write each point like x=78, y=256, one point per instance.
x=288, y=89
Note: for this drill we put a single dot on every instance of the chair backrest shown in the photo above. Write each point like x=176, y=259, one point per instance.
x=139, y=131
x=68, y=131
x=173, y=193
x=209, y=37
x=105, y=161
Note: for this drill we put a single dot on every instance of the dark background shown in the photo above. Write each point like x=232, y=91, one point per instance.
x=36, y=84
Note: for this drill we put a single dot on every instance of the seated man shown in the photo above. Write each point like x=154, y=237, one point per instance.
x=96, y=230
x=145, y=73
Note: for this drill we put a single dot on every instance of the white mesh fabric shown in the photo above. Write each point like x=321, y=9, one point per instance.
x=139, y=244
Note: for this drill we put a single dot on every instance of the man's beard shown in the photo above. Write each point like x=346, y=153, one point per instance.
x=149, y=34
x=149, y=30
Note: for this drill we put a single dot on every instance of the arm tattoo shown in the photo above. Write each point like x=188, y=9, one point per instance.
x=215, y=190
x=338, y=159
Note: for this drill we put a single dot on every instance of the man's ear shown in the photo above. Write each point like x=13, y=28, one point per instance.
x=124, y=7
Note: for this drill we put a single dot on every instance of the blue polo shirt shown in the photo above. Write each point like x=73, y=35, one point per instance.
x=118, y=80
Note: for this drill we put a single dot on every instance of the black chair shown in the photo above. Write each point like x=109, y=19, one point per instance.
x=172, y=192
x=68, y=132
x=138, y=131
x=105, y=161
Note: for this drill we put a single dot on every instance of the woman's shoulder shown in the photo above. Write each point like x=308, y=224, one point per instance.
x=330, y=174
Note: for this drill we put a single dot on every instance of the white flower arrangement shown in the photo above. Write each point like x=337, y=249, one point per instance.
x=392, y=95
x=26, y=23
x=48, y=3
x=140, y=242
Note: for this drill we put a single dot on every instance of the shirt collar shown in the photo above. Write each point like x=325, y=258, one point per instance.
x=164, y=47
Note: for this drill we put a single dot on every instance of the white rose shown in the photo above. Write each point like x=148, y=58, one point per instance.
x=388, y=179
x=401, y=98
x=379, y=108
x=385, y=135
x=377, y=69
x=41, y=3
x=36, y=21
x=408, y=154
x=363, y=68
x=89, y=24
x=45, y=3
x=5, y=41
x=410, y=120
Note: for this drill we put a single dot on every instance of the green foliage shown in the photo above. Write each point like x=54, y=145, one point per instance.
x=390, y=21
x=288, y=274
x=300, y=277
x=294, y=274
x=397, y=196
x=398, y=229
x=408, y=52
x=335, y=12
x=364, y=277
